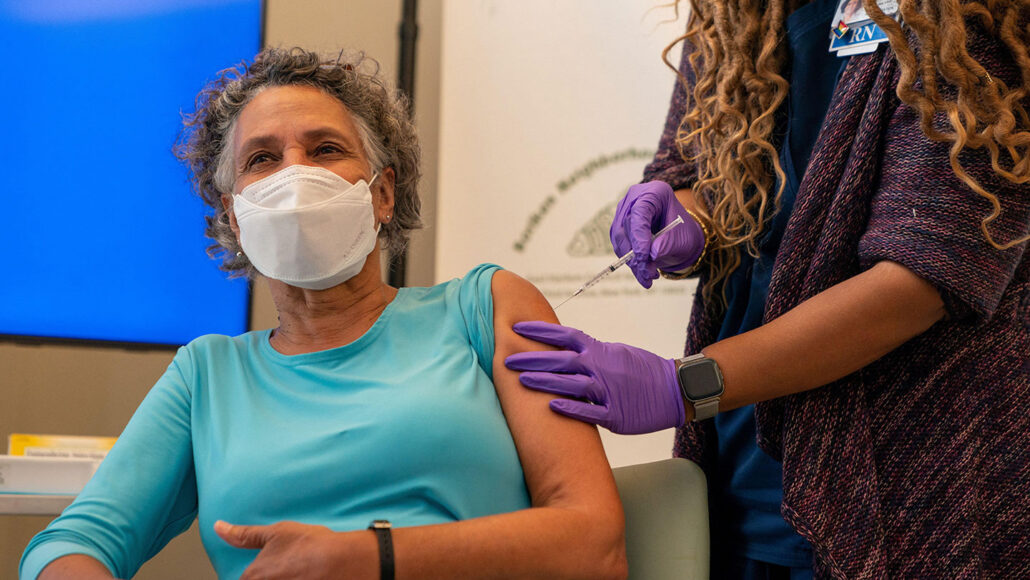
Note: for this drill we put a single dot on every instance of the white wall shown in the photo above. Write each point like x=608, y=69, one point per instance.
x=605, y=90
x=550, y=110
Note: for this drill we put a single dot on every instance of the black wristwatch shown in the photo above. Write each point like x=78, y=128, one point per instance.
x=701, y=384
x=382, y=530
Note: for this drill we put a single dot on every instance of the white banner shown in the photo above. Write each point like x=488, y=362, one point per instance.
x=549, y=111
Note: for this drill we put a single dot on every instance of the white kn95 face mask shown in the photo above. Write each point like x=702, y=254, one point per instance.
x=307, y=226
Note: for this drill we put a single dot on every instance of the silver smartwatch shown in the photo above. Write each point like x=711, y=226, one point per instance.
x=701, y=384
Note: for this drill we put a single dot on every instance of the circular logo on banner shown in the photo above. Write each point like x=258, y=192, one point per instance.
x=576, y=218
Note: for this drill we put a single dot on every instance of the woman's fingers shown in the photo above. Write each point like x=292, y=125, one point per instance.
x=553, y=334
x=553, y=361
x=596, y=414
x=575, y=386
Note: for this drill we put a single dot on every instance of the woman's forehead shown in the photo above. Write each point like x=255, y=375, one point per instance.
x=293, y=108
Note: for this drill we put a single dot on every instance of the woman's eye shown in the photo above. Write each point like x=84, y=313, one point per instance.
x=258, y=158
x=327, y=149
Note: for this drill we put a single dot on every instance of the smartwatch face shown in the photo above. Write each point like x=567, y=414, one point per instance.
x=700, y=380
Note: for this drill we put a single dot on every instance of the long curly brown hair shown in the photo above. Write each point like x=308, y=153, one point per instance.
x=738, y=56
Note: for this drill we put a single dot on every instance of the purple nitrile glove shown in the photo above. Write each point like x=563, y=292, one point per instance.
x=630, y=390
x=647, y=208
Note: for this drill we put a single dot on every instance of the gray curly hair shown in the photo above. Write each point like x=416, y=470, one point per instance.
x=380, y=114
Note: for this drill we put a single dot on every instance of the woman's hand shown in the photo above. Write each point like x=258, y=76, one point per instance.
x=647, y=208
x=622, y=388
x=295, y=550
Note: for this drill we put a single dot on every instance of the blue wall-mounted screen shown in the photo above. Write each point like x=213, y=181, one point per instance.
x=101, y=234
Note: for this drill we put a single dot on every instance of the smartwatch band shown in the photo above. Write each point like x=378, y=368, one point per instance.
x=385, y=539
x=706, y=409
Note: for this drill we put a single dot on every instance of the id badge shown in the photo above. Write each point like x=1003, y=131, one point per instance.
x=851, y=11
x=861, y=33
x=854, y=32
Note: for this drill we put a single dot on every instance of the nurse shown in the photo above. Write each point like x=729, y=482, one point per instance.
x=857, y=372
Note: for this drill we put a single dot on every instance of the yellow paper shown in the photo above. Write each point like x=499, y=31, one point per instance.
x=59, y=445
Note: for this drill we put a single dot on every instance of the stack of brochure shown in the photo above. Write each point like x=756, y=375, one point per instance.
x=50, y=464
x=45, y=475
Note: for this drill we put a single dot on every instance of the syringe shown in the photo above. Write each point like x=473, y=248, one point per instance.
x=619, y=263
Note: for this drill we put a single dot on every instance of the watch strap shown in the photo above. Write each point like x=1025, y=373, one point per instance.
x=706, y=409
x=385, y=539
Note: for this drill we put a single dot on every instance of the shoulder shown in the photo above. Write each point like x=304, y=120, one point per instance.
x=472, y=283
x=496, y=294
x=517, y=299
x=506, y=283
x=490, y=289
x=209, y=341
x=481, y=274
x=209, y=348
x=215, y=343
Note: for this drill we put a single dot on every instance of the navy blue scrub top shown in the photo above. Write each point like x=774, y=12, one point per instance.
x=747, y=484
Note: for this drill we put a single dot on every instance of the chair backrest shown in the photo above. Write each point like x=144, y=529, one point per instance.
x=666, y=505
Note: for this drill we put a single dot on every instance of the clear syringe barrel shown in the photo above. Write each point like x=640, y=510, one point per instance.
x=628, y=256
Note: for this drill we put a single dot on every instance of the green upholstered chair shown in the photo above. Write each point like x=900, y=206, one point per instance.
x=666, y=505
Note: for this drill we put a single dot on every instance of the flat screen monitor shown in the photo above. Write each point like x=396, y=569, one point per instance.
x=101, y=233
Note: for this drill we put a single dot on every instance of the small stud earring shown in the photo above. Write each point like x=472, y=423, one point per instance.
x=239, y=254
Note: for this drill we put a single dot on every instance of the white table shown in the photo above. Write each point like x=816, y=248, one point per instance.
x=33, y=505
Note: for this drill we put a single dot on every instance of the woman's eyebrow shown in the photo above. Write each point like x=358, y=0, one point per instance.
x=271, y=141
x=324, y=132
x=258, y=142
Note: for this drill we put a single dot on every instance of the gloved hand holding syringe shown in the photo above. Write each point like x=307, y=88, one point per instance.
x=618, y=263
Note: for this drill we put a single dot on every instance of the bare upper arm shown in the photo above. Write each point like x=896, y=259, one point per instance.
x=562, y=459
x=78, y=566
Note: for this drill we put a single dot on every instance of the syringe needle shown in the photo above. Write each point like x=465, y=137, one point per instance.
x=574, y=294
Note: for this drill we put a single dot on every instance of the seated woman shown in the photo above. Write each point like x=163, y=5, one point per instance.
x=366, y=402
